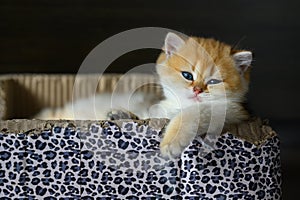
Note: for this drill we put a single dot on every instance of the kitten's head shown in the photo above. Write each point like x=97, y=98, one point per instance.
x=198, y=69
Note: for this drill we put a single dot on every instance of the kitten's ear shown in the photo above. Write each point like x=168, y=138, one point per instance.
x=172, y=43
x=242, y=60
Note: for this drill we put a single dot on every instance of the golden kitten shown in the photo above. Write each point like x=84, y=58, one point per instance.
x=204, y=83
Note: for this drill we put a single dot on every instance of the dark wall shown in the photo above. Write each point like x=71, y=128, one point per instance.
x=48, y=36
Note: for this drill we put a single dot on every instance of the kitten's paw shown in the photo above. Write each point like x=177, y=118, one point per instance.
x=174, y=147
x=170, y=150
x=121, y=114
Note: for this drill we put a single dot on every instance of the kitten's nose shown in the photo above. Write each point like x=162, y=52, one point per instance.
x=197, y=90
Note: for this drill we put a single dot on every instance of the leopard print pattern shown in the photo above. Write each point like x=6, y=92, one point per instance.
x=111, y=162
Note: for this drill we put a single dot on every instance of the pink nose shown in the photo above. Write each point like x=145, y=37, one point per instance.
x=197, y=90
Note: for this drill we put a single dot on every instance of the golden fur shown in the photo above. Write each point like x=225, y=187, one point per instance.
x=207, y=53
x=205, y=59
x=212, y=99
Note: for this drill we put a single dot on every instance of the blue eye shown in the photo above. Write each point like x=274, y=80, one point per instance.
x=188, y=76
x=213, y=81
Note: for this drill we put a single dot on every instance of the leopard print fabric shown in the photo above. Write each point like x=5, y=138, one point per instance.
x=111, y=162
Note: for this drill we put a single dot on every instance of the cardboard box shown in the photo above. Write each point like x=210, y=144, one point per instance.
x=120, y=159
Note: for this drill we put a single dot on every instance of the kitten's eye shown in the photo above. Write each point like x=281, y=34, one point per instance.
x=188, y=76
x=213, y=81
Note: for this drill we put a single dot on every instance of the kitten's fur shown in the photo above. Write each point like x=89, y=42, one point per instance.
x=189, y=104
x=98, y=106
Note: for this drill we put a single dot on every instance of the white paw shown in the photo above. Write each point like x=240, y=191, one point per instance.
x=170, y=151
x=174, y=148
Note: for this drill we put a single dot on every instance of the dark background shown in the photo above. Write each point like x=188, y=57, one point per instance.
x=54, y=36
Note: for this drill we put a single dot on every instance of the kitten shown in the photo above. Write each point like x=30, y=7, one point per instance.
x=204, y=83
x=202, y=79
x=102, y=106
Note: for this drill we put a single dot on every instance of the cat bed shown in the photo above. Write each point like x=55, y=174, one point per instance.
x=120, y=159
x=23, y=96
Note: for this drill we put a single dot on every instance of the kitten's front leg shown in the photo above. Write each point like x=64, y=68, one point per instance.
x=117, y=114
x=199, y=119
x=183, y=128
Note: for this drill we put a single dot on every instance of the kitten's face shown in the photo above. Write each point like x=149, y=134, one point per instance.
x=199, y=70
